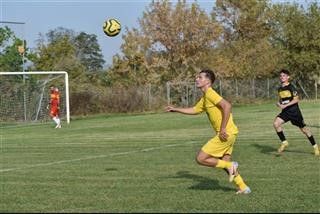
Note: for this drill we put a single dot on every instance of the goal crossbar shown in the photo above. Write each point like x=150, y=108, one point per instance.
x=48, y=72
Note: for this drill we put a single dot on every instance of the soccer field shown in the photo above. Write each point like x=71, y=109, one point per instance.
x=145, y=163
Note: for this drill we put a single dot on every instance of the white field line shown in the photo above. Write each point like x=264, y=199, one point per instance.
x=93, y=157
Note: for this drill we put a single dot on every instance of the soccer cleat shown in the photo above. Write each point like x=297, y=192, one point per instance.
x=233, y=170
x=316, y=151
x=246, y=190
x=284, y=144
x=58, y=126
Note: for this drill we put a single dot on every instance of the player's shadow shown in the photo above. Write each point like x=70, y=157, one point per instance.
x=110, y=169
x=203, y=183
x=265, y=149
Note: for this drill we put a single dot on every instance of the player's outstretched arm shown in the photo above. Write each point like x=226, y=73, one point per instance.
x=190, y=110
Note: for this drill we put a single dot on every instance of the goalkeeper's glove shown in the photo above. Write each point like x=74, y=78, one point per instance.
x=47, y=107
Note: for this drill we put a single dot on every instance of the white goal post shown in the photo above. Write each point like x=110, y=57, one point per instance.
x=66, y=80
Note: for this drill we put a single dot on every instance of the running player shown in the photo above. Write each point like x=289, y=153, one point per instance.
x=288, y=102
x=217, y=151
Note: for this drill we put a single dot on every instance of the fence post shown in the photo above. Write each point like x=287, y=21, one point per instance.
x=149, y=95
x=268, y=87
x=237, y=90
x=194, y=93
x=253, y=89
x=304, y=91
x=316, y=88
x=187, y=94
x=168, y=93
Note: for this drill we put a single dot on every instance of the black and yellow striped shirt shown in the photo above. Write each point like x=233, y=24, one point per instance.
x=286, y=94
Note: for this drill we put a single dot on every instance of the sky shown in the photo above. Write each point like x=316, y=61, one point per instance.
x=87, y=16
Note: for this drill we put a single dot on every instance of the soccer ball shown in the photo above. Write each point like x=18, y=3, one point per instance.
x=111, y=27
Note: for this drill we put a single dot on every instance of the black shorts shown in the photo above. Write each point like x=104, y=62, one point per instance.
x=294, y=116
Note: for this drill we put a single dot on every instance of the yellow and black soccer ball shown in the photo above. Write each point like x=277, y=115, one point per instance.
x=111, y=27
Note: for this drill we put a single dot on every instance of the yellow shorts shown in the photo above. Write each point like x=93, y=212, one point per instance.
x=217, y=148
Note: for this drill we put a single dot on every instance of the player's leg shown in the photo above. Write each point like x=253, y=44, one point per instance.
x=208, y=160
x=311, y=139
x=228, y=158
x=58, y=122
x=277, y=124
x=298, y=121
x=54, y=115
x=213, y=150
x=58, y=119
x=238, y=180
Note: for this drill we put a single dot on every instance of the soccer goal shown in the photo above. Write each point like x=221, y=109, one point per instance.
x=24, y=96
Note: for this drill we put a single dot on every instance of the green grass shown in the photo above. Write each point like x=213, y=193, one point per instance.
x=145, y=163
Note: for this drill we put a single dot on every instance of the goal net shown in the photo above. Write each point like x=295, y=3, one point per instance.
x=24, y=96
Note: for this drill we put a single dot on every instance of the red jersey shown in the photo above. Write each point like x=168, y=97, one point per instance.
x=54, y=102
x=55, y=98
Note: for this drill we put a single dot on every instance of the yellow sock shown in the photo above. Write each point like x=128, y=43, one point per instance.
x=239, y=182
x=223, y=164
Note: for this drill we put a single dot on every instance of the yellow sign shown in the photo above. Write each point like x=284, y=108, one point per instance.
x=21, y=49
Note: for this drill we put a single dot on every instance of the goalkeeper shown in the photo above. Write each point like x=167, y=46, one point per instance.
x=54, y=105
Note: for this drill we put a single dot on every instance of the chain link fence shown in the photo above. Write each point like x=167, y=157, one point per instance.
x=237, y=90
x=93, y=100
x=184, y=94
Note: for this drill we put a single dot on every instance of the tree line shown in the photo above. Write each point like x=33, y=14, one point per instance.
x=237, y=39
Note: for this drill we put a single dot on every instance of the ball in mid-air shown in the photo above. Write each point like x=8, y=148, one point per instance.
x=111, y=27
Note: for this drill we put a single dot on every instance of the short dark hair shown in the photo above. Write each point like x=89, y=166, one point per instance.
x=284, y=71
x=209, y=74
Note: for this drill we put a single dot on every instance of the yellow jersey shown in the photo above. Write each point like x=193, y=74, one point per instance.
x=208, y=103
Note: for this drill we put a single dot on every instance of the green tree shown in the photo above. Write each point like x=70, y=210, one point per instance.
x=63, y=49
x=171, y=45
x=57, y=54
x=180, y=37
x=10, y=58
x=88, y=51
x=5, y=35
x=131, y=68
x=245, y=48
x=297, y=36
x=79, y=55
